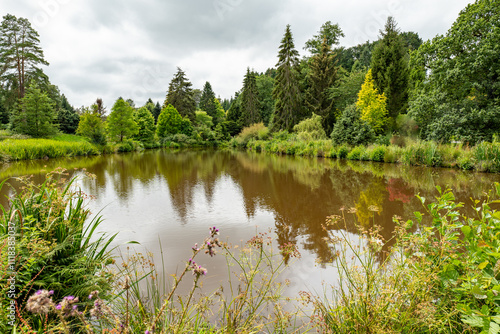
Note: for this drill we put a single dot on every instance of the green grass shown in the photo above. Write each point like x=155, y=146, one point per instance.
x=26, y=149
x=484, y=157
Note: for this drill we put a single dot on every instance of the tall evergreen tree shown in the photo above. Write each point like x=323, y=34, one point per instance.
x=121, y=120
x=36, y=116
x=286, y=90
x=157, y=111
x=207, y=102
x=250, y=103
x=20, y=53
x=181, y=96
x=322, y=77
x=67, y=117
x=265, y=84
x=390, y=69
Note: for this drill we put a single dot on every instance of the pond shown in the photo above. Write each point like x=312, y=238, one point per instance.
x=167, y=200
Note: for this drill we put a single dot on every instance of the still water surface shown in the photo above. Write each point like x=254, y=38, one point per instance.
x=172, y=198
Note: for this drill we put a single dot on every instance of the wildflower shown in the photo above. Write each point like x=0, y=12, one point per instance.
x=94, y=294
x=147, y=332
x=40, y=302
x=68, y=307
x=96, y=311
x=199, y=270
x=214, y=231
x=195, y=248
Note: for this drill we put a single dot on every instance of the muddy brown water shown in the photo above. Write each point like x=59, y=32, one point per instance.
x=173, y=197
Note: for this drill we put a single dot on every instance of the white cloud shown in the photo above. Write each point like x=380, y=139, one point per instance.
x=120, y=48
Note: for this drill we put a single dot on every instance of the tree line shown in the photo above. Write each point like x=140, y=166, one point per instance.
x=442, y=89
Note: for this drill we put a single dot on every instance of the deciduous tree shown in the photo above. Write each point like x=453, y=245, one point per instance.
x=330, y=32
x=120, y=122
x=170, y=122
x=146, y=125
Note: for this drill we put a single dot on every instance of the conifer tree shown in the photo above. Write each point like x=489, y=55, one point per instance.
x=372, y=105
x=36, y=115
x=121, y=120
x=181, y=96
x=207, y=101
x=389, y=66
x=286, y=90
x=20, y=53
x=67, y=117
x=322, y=78
x=250, y=102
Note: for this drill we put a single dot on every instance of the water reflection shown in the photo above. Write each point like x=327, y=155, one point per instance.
x=176, y=195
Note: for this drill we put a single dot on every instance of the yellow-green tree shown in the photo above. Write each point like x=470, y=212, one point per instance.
x=373, y=105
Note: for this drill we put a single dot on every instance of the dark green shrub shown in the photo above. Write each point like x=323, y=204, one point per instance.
x=350, y=129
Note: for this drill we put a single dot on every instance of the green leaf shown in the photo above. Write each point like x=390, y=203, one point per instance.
x=483, y=265
x=418, y=215
x=496, y=318
x=473, y=320
x=478, y=293
x=466, y=230
x=494, y=328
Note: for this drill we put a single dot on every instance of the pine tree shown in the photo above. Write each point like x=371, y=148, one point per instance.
x=121, y=122
x=286, y=91
x=207, y=101
x=372, y=105
x=181, y=96
x=390, y=69
x=157, y=111
x=20, y=53
x=36, y=116
x=250, y=102
x=67, y=117
x=265, y=84
x=322, y=78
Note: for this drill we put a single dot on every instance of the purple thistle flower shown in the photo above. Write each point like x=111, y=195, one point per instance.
x=58, y=306
x=51, y=292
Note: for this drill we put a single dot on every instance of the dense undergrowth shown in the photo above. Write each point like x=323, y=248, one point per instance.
x=484, y=157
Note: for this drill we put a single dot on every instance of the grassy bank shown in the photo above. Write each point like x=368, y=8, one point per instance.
x=25, y=149
x=484, y=157
x=439, y=277
x=15, y=147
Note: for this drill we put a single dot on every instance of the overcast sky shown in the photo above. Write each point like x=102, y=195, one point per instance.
x=112, y=48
